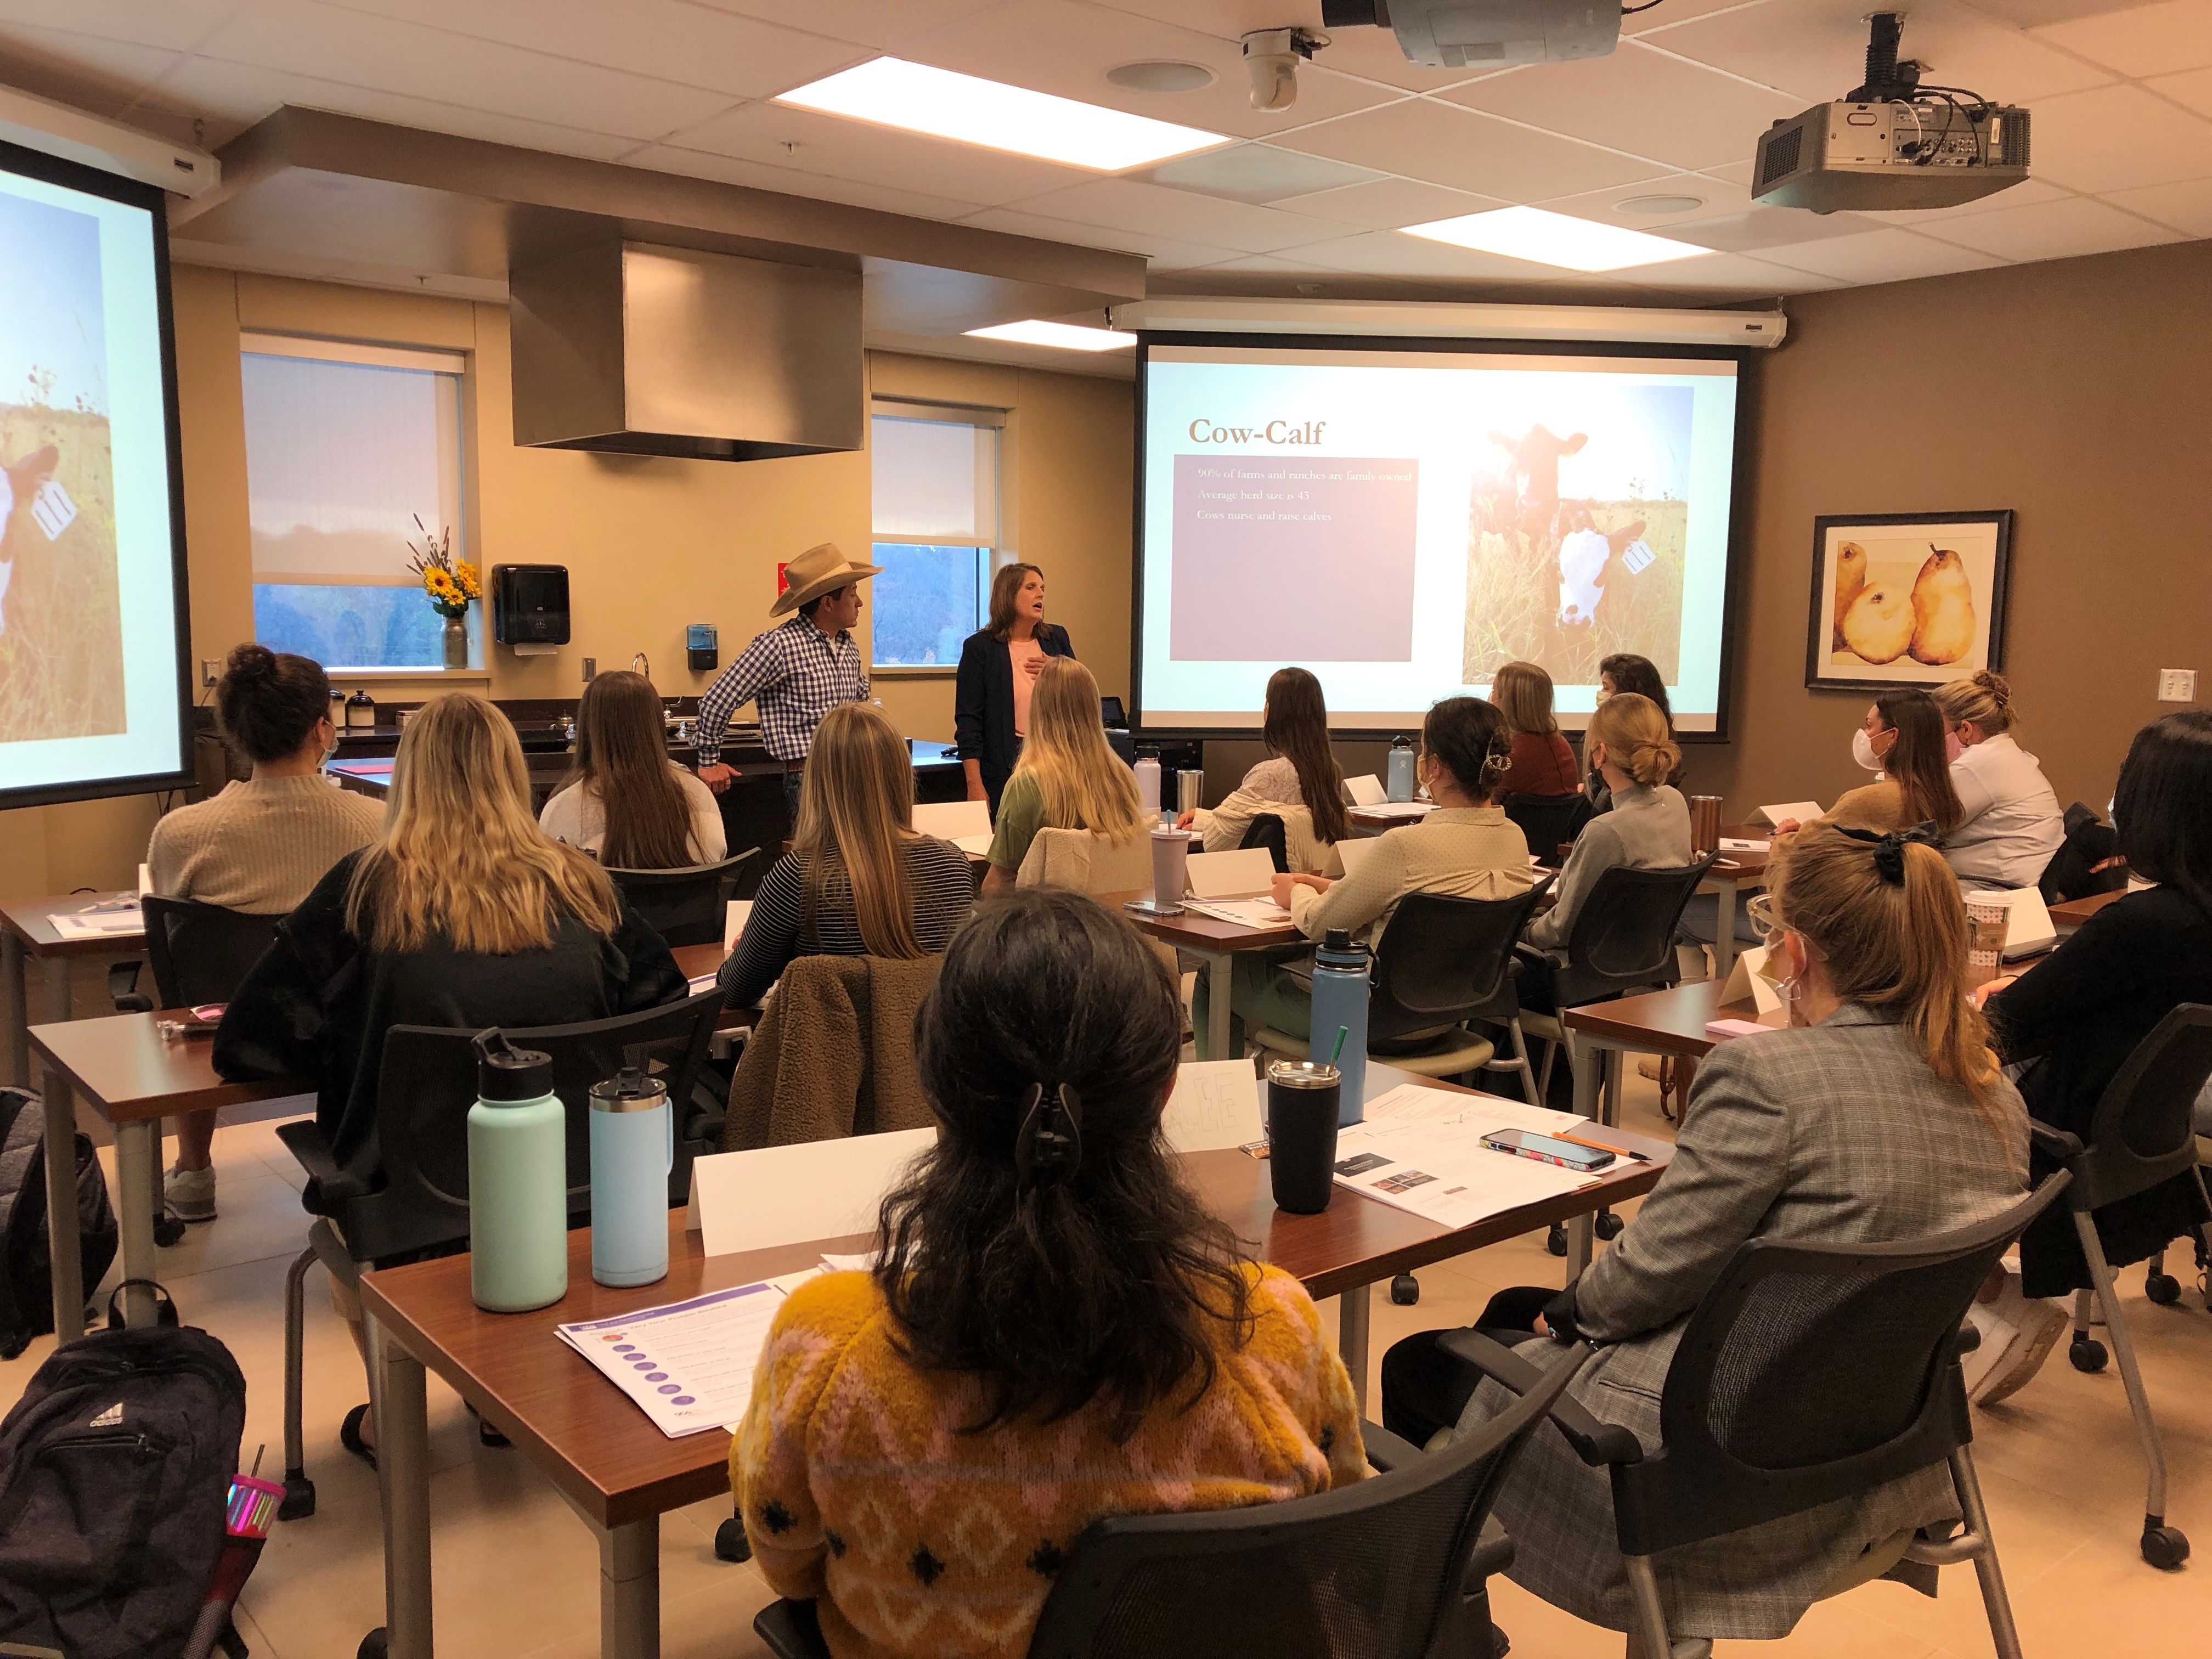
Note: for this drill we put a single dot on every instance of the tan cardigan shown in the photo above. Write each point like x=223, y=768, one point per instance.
x=1465, y=852
x=261, y=845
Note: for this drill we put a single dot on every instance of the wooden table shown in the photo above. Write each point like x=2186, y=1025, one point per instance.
x=133, y=1077
x=1375, y=820
x=621, y=1474
x=1214, y=943
x=2073, y=912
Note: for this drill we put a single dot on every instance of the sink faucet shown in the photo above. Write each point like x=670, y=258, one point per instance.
x=638, y=664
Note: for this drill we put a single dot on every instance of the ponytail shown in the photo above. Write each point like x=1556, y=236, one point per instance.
x=1946, y=1029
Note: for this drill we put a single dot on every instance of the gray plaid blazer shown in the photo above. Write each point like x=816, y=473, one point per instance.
x=1836, y=1133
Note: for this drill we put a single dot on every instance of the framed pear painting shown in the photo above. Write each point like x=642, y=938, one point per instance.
x=1906, y=598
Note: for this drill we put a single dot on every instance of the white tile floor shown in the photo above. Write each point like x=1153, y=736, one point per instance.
x=515, y=1572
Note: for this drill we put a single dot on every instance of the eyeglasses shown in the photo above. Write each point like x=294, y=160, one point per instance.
x=1760, y=912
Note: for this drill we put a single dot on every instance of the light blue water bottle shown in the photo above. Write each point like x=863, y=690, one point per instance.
x=518, y=1180
x=1398, y=783
x=1340, y=1000
x=633, y=1149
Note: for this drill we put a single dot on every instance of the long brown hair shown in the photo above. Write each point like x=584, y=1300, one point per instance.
x=1005, y=587
x=1083, y=782
x=1522, y=692
x=1296, y=728
x=1635, y=736
x=855, y=818
x=622, y=761
x=463, y=859
x=1917, y=763
x=1895, y=945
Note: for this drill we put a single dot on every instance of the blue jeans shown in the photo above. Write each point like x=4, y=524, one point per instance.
x=791, y=776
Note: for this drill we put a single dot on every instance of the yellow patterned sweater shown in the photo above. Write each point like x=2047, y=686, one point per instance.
x=859, y=1490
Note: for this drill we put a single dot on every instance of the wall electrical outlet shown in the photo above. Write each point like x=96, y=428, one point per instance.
x=2177, y=685
x=591, y=669
x=211, y=671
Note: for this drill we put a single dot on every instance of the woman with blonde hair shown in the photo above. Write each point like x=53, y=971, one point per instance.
x=859, y=881
x=1068, y=776
x=1881, y=1115
x=2009, y=823
x=1301, y=771
x=625, y=800
x=999, y=664
x=1543, y=763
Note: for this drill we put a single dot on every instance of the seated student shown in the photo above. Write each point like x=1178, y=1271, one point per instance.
x=2009, y=823
x=1881, y=1115
x=1301, y=772
x=2073, y=1019
x=1543, y=763
x=1467, y=847
x=1058, y=1330
x=1647, y=829
x=262, y=844
x=859, y=881
x=1068, y=778
x=625, y=800
x=1901, y=742
x=1625, y=671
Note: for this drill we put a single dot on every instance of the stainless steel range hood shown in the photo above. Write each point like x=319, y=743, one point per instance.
x=642, y=350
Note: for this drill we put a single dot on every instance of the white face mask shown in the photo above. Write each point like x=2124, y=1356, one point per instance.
x=1863, y=751
x=1952, y=747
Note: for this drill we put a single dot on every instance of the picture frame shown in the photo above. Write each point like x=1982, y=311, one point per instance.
x=1906, y=598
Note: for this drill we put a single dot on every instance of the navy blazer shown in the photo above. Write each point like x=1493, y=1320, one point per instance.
x=983, y=700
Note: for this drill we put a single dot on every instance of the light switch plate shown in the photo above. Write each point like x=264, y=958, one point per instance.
x=591, y=669
x=2177, y=685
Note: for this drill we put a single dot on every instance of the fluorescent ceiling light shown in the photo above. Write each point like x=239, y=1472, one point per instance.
x=1068, y=337
x=893, y=92
x=1555, y=239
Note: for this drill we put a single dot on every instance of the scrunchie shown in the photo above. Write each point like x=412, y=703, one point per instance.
x=1889, y=849
x=1048, y=1146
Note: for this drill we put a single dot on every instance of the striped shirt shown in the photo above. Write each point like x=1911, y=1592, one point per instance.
x=944, y=893
x=796, y=673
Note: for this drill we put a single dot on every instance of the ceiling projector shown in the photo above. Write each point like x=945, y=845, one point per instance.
x=1486, y=33
x=1893, y=144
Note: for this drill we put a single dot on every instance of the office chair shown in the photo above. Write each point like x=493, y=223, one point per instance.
x=1808, y=1373
x=1547, y=821
x=2143, y=1134
x=687, y=906
x=425, y=1086
x=1394, y=1567
x=1267, y=830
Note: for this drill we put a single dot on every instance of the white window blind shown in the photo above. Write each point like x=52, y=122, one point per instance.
x=934, y=473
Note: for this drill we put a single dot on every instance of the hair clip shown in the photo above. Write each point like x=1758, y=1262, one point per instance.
x=1889, y=849
x=1049, y=1146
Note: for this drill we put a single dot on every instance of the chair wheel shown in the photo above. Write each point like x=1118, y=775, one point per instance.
x=2163, y=1289
x=1405, y=1290
x=2085, y=1353
x=168, y=1229
x=731, y=1543
x=1556, y=1240
x=1608, y=1226
x=372, y=1645
x=299, y=1500
x=2165, y=1547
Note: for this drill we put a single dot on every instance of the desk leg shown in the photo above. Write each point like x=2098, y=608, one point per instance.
x=1724, y=930
x=1352, y=1339
x=630, y=1590
x=63, y=1245
x=1217, y=986
x=1590, y=1060
x=16, y=1008
x=137, y=1160
x=397, y=1390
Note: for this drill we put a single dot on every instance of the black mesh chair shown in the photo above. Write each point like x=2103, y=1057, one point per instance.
x=1394, y=1567
x=2143, y=1134
x=1549, y=821
x=1267, y=830
x=1808, y=1373
x=687, y=906
x=425, y=1088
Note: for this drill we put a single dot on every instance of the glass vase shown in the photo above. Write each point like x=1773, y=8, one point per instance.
x=457, y=643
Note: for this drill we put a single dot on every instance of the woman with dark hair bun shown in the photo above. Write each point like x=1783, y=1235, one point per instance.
x=262, y=844
x=1055, y=1330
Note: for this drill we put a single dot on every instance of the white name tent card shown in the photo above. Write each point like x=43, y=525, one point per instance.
x=818, y=1189
x=1747, y=984
x=1215, y=1106
x=1366, y=790
x=1227, y=875
x=1352, y=853
x=955, y=821
x=733, y=924
x=1804, y=811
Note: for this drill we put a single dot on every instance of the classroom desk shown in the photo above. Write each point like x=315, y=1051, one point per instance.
x=1375, y=821
x=2071, y=915
x=133, y=1077
x=621, y=1474
x=1214, y=943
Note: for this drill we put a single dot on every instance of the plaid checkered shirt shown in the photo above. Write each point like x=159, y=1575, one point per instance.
x=796, y=673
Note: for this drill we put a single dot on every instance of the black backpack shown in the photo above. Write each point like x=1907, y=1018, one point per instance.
x=115, y=1471
x=27, y=1285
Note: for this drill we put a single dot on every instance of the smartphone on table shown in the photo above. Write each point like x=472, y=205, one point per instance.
x=1548, y=1149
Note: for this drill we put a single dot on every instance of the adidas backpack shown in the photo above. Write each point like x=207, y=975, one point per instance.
x=26, y=1285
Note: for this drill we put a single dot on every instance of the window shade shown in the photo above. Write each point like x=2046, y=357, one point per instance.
x=934, y=480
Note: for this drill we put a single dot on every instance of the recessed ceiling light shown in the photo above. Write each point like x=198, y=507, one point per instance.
x=892, y=93
x=1657, y=205
x=1161, y=75
x=1068, y=336
x=1554, y=239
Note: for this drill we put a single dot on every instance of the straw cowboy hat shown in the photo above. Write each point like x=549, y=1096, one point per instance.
x=817, y=571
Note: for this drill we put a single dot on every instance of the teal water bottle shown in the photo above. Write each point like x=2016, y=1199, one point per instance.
x=1339, y=1001
x=518, y=1180
x=1398, y=783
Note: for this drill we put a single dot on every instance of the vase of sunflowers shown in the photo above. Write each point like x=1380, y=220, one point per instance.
x=449, y=584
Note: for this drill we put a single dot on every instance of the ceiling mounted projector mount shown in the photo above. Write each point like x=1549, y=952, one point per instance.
x=1486, y=33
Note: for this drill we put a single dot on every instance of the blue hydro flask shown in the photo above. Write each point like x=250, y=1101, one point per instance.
x=1340, y=1000
x=1398, y=784
x=633, y=1149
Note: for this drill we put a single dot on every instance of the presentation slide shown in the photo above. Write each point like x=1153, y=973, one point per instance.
x=93, y=689
x=1401, y=521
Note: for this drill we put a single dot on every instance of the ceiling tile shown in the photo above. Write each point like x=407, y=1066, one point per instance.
x=790, y=181
x=1391, y=203
x=1165, y=252
x=1764, y=227
x=1394, y=253
x=1257, y=173
x=1444, y=144
x=2193, y=88
x=1663, y=18
x=179, y=24
x=670, y=41
x=2026, y=193
x=2186, y=207
x=1638, y=101
x=2117, y=137
x=406, y=59
x=1057, y=47
x=101, y=76
x=871, y=22
x=1369, y=54
x=2053, y=230
x=1730, y=274
x=877, y=155
x=1816, y=49
x=1126, y=204
x=1879, y=256
x=1715, y=198
x=2141, y=40
x=1737, y=173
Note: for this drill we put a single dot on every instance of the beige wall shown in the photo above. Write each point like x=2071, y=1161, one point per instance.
x=650, y=544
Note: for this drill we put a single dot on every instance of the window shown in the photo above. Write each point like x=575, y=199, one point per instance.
x=935, y=480
x=345, y=446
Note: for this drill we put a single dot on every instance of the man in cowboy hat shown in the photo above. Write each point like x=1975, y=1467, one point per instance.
x=796, y=672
